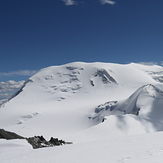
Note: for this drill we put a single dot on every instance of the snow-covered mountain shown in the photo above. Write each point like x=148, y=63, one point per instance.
x=83, y=102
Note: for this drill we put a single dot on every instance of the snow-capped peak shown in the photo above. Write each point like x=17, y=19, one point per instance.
x=66, y=95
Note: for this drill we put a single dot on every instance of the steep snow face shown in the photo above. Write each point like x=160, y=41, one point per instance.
x=146, y=103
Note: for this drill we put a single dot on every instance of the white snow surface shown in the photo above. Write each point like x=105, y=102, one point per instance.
x=111, y=112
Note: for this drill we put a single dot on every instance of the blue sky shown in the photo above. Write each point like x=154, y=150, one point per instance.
x=38, y=33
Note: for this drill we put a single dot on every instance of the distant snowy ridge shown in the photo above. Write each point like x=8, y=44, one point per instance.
x=73, y=77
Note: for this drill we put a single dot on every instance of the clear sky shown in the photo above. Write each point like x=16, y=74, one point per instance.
x=38, y=33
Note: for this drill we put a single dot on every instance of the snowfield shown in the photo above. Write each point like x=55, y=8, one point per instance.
x=111, y=112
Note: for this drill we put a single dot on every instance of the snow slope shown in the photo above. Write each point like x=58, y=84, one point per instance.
x=95, y=105
x=145, y=148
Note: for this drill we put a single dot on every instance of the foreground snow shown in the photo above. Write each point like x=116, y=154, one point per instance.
x=111, y=113
x=144, y=148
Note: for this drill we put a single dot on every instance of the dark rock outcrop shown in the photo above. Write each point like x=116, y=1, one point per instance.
x=36, y=141
x=105, y=76
x=9, y=135
x=40, y=142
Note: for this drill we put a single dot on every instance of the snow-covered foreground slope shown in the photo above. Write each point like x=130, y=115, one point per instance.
x=97, y=106
x=143, y=148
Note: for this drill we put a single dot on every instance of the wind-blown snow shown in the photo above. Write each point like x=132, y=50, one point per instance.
x=103, y=108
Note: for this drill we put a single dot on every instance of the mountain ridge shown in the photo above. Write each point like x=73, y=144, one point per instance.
x=65, y=97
